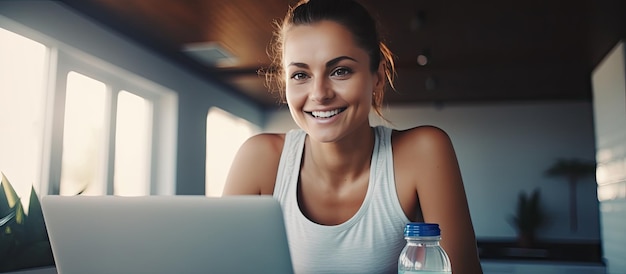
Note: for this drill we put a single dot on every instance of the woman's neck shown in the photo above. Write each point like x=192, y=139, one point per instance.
x=340, y=162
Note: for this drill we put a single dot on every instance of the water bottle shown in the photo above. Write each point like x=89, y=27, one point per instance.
x=422, y=253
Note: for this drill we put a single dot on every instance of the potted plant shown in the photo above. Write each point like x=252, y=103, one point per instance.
x=572, y=170
x=23, y=237
x=528, y=217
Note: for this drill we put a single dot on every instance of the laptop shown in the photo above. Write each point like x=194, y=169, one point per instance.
x=166, y=234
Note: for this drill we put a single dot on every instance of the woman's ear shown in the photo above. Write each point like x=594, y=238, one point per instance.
x=381, y=77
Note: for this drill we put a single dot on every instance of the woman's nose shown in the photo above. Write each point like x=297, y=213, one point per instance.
x=321, y=90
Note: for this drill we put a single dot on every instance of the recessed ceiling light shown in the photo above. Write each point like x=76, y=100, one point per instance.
x=422, y=60
x=210, y=53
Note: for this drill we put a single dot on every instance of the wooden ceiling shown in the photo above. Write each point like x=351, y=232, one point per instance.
x=480, y=51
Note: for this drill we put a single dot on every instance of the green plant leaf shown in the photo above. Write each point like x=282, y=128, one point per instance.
x=8, y=196
x=35, y=226
x=571, y=168
x=7, y=241
x=529, y=213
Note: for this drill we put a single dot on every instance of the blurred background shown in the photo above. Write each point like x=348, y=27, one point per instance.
x=137, y=97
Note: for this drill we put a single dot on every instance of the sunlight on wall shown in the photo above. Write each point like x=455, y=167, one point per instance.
x=22, y=111
x=225, y=134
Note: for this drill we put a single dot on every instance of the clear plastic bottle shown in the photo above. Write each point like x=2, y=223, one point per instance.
x=422, y=253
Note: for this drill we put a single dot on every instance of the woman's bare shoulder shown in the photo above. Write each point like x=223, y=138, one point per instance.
x=271, y=142
x=254, y=168
x=422, y=154
x=421, y=138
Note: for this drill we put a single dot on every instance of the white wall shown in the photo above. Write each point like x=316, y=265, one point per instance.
x=504, y=148
x=609, y=95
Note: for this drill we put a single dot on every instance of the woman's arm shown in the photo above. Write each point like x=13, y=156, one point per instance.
x=441, y=194
x=254, y=168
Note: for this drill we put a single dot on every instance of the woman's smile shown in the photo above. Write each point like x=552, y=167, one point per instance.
x=325, y=114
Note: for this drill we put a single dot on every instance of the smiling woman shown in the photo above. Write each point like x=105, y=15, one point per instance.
x=344, y=185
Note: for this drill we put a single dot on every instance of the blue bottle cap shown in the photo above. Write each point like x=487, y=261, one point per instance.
x=421, y=229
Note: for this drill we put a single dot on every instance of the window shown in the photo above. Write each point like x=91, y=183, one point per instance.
x=117, y=131
x=22, y=111
x=76, y=124
x=85, y=142
x=132, y=145
x=225, y=134
x=84, y=147
x=71, y=124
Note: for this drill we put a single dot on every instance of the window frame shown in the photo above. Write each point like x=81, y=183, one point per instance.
x=117, y=80
x=60, y=61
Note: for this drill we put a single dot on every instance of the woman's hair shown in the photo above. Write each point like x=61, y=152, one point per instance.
x=349, y=14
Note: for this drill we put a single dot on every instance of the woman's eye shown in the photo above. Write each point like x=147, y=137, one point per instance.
x=341, y=72
x=299, y=76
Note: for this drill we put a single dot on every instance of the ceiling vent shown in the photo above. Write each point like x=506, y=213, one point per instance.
x=211, y=54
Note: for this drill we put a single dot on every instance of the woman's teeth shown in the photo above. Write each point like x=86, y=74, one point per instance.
x=325, y=114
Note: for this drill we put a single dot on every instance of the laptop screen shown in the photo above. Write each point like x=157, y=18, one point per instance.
x=167, y=234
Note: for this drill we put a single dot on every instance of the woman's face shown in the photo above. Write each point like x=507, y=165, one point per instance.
x=329, y=84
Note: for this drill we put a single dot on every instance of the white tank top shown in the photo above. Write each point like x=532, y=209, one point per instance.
x=369, y=242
